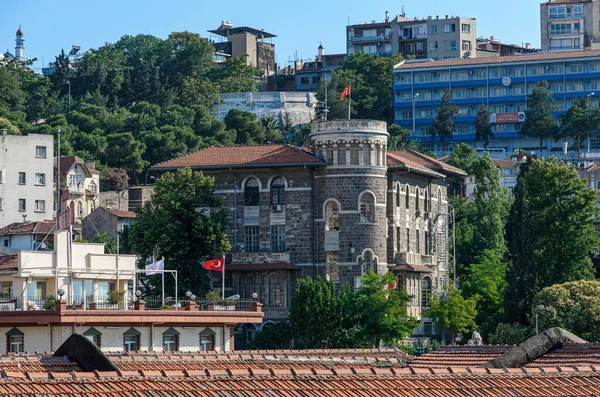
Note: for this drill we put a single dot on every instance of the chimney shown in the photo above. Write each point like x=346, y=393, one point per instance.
x=528, y=45
x=387, y=17
x=446, y=16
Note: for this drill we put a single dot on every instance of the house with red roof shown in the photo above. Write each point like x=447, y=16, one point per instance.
x=338, y=208
x=106, y=220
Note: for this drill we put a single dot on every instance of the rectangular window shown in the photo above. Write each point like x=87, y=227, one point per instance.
x=398, y=241
x=252, y=238
x=1, y=203
x=433, y=46
x=407, y=238
x=443, y=76
x=15, y=344
x=449, y=27
x=425, y=114
x=452, y=45
x=40, y=152
x=1, y=177
x=278, y=238
x=304, y=80
x=466, y=45
x=22, y=178
x=40, y=206
x=417, y=242
x=457, y=94
x=22, y=205
x=460, y=75
x=5, y=289
x=575, y=87
x=403, y=78
x=423, y=78
x=433, y=29
x=130, y=343
x=479, y=93
x=554, y=69
x=498, y=91
x=40, y=179
x=575, y=68
x=207, y=343
x=465, y=28
x=170, y=343
x=518, y=90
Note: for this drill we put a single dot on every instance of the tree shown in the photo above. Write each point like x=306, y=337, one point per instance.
x=574, y=306
x=578, y=123
x=443, y=124
x=455, y=312
x=398, y=137
x=550, y=233
x=273, y=336
x=169, y=226
x=483, y=127
x=110, y=245
x=320, y=317
x=509, y=334
x=381, y=311
x=539, y=121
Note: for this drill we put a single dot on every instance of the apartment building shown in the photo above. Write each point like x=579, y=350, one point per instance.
x=569, y=25
x=309, y=74
x=26, y=179
x=427, y=37
x=502, y=84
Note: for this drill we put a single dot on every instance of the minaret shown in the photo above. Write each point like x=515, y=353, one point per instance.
x=20, y=47
x=320, y=52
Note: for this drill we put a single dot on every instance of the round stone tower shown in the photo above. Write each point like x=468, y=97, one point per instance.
x=351, y=194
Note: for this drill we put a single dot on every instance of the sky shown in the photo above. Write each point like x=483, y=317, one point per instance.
x=50, y=26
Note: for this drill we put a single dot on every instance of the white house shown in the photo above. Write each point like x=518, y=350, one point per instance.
x=26, y=180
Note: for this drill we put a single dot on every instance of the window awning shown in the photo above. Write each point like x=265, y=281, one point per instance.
x=171, y=332
x=132, y=332
x=14, y=331
x=208, y=332
x=92, y=332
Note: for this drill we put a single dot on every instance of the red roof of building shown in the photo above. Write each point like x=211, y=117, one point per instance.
x=419, y=161
x=121, y=213
x=497, y=60
x=9, y=263
x=459, y=356
x=39, y=227
x=241, y=156
x=504, y=163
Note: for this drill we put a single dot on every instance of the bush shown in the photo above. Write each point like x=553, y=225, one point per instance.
x=50, y=302
x=274, y=336
x=509, y=334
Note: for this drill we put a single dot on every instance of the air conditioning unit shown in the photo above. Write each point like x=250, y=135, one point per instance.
x=277, y=208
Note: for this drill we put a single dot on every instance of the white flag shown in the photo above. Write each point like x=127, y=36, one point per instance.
x=152, y=267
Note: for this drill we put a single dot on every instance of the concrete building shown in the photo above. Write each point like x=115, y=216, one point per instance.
x=85, y=277
x=346, y=207
x=80, y=186
x=508, y=169
x=568, y=25
x=493, y=47
x=105, y=220
x=19, y=54
x=244, y=41
x=309, y=74
x=502, y=84
x=427, y=37
x=25, y=178
x=27, y=236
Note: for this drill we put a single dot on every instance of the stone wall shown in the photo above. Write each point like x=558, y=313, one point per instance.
x=112, y=201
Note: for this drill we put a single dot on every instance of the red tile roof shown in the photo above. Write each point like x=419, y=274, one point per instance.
x=572, y=354
x=121, y=213
x=241, y=156
x=504, y=163
x=9, y=263
x=248, y=267
x=66, y=162
x=498, y=60
x=459, y=356
x=416, y=160
x=41, y=227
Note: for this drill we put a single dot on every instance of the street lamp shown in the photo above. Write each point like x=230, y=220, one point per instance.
x=188, y=294
x=587, y=107
x=69, y=83
x=414, y=132
x=254, y=296
x=60, y=293
x=138, y=293
x=539, y=309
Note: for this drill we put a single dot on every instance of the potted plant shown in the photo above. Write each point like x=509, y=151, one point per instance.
x=115, y=298
x=50, y=303
x=213, y=297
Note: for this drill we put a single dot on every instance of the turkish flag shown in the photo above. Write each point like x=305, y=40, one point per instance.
x=346, y=92
x=393, y=286
x=215, y=264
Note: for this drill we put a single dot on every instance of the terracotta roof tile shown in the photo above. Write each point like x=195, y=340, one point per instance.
x=414, y=159
x=41, y=227
x=121, y=213
x=497, y=60
x=241, y=156
x=9, y=263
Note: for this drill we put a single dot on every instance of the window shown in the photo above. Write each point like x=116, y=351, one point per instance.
x=131, y=339
x=22, y=205
x=407, y=239
x=40, y=206
x=417, y=206
x=433, y=28
x=449, y=27
x=170, y=340
x=425, y=113
x=315, y=79
x=398, y=240
x=278, y=238
x=425, y=291
x=40, y=179
x=15, y=341
x=22, y=178
x=407, y=198
x=463, y=111
x=278, y=191
x=5, y=287
x=274, y=295
x=94, y=336
x=92, y=187
x=1, y=203
x=207, y=340
x=465, y=28
x=332, y=216
x=479, y=92
x=1, y=177
x=426, y=202
x=452, y=45
x=368, y=262
x=304, y=80
x=417, y=242
x=554, y=69
x=427, y=328
x=466, y=45
x=457, y=94
x=367, y=208
x=40, y=151
x=576, y=68
x=252, y=235
x=560, y=28
x=79, y=209
x=251, y=195
x=433, y=46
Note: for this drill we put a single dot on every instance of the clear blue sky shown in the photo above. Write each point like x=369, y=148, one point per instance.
x=299, y=25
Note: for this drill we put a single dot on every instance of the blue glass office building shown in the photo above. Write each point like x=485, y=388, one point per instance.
x=501, y=83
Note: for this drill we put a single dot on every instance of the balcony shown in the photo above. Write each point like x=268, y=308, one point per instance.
x=76, y=189
x=567, y=32
x=370, y=39
x=277, y=216
x=332, y=240
x=260, y=257
x=411, y=258
x=251, y=215
x=565, y=48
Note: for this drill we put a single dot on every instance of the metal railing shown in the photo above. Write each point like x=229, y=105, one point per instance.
x=156, y=303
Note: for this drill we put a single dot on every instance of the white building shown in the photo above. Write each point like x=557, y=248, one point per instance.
x=508, y=169
x=27, y=236
x=19, y=54
x=26, y=181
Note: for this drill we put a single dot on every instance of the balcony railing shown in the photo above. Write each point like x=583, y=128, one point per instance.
x=332, y=240
x=370, y=39
x=76, y=189
x=411, y=258
x=566, y=32
x=565, y=48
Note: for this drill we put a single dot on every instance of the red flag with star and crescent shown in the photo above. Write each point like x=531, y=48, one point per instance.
x=215, y=264
x=346, y=92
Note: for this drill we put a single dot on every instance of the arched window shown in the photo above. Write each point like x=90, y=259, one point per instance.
x=278, y=191
x=15, y=341
x=367, y=208
x=251, y=197
x=407, y=197
x=417, y=206
x=398, y=195
x=425, y=291
x=368, y=262
x=426, y=202
x=275, y=296
x=79, y=208
x=332, y=216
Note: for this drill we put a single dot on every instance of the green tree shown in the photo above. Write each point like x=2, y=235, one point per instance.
x=320, y=317
x=578, y=123
x=273, y=336
x=454, y=313
x=443, y=124
x=483, y=127
x=381, y=312
x=550, y=233
x=398, y=137
x=124, y=151
x=249, y=130
x=539, y=121
x=574, y=306
x=169, y=226
x=110, y=244
x=509, y=334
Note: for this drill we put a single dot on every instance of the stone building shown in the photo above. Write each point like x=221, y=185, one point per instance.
x=337, y=209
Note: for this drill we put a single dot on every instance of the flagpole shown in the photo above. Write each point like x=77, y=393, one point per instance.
x=349, y=99
x=163, y=286
x=223, y=280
